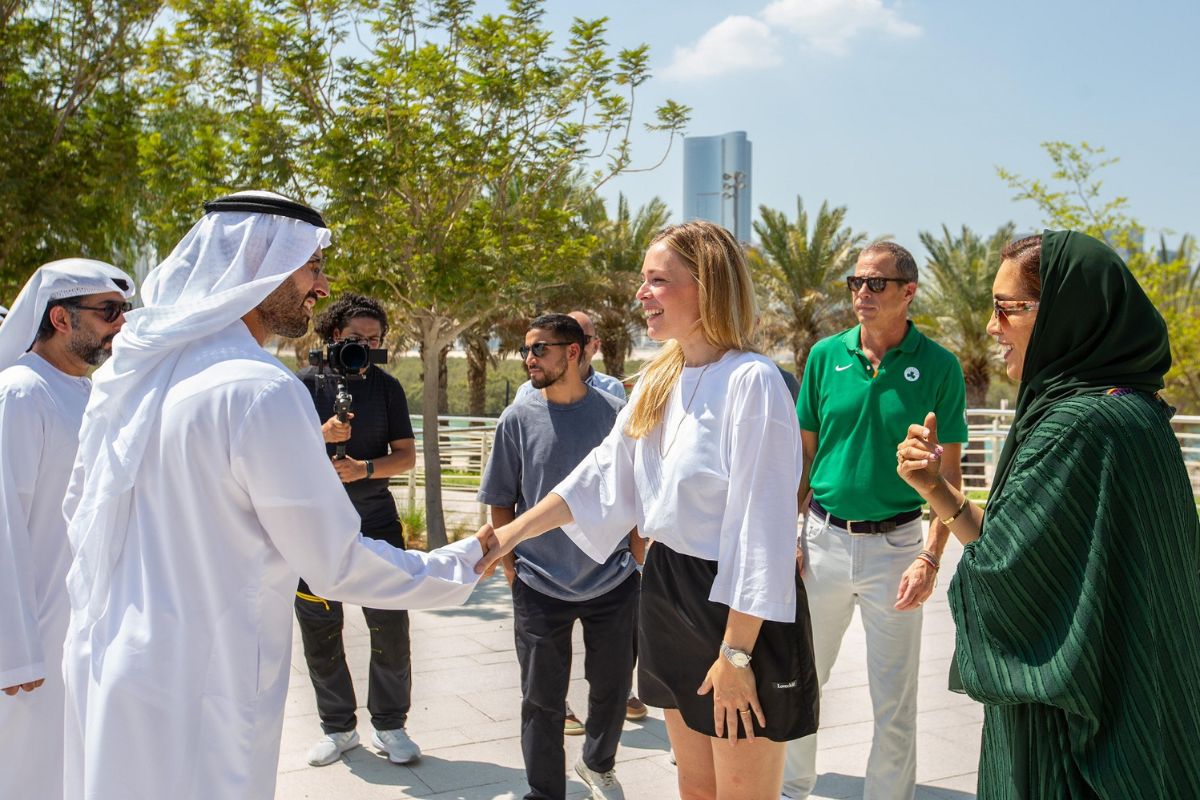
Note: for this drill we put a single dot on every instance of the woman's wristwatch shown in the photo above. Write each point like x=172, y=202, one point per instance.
x=739, y=658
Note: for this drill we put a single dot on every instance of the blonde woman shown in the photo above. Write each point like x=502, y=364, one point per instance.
x=705, y=460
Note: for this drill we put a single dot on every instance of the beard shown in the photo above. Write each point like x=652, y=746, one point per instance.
x=283, y=310
x=547, y=378
x=89, y=348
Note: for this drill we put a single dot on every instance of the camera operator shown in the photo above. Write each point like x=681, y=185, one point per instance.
x=378, y=440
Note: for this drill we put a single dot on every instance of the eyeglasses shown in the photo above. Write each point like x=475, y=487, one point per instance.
x=108, y=311
x=876, y=285
x=539, y=348
x=1002, y=308
x=373, y=342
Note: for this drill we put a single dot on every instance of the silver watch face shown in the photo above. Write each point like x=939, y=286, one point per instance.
x=739, y=659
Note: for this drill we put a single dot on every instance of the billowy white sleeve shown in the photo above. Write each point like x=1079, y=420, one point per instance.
x=602, y=495
x=22, y=433
x=756, y=565
x=279, y=458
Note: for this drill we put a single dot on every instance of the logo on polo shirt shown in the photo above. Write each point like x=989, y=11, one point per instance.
x=842, y=367
x=911, y=374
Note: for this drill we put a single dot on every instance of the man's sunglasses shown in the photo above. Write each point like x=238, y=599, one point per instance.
x=108, y=311
x=1002, y=308
x=539, y=348
x=876, y=285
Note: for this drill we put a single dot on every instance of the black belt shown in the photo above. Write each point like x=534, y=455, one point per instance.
x=857, y=526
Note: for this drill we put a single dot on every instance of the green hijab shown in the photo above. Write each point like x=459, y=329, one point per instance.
x=1095, y=330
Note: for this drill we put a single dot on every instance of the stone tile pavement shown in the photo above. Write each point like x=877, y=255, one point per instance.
x=466, y=717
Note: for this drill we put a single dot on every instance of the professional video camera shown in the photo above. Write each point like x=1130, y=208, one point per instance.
x=346, y=360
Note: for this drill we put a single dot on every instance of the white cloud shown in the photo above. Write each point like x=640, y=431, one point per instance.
x=829, y=25
x=733, y=44
x=740, y=42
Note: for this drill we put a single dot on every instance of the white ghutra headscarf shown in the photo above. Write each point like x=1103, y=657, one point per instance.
x=58, y=280
x=222, y=269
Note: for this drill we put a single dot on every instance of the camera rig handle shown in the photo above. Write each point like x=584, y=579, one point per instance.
x=341, y=407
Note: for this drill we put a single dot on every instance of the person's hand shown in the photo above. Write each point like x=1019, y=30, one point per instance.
x=735, y=695
x=916, y=585
x=349, y=469
x=919, y=457
x=509, y=562
x=800, y=556
x=23, y=687
x=335, y=431
x=492, y=551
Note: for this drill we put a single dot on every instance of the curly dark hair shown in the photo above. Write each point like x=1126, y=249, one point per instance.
x=348, y=306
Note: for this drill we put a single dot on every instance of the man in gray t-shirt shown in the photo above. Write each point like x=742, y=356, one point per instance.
x=539, y=440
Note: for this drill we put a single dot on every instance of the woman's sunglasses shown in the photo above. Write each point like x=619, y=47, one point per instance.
x=1002, y=308
x=108, y=311
x=876, y=285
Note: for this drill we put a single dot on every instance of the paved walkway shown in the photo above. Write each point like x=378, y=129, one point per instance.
x=466, y=717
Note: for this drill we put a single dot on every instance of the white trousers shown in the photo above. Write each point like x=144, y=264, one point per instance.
x=840, y=571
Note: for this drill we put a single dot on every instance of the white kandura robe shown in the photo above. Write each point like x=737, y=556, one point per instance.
x=40, y=411
x=178, y=689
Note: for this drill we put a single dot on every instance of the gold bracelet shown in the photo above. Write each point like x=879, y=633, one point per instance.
x=954, y=516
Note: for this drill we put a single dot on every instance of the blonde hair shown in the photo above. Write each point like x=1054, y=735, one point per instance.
x=728, y=312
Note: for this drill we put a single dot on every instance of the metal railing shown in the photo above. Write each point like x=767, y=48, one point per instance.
x=466, y=443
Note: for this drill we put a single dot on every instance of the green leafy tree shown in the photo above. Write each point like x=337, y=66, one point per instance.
x=1074, y=199
x=70, y=131
x=801, y=270
x=954, y=303
x=442, y=154
x=616, y=264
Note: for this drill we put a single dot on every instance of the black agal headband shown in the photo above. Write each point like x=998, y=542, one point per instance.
x=256, y=203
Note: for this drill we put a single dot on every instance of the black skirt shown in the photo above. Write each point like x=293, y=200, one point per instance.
x=680, y=637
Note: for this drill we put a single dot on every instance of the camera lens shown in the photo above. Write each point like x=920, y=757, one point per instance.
x=355, y=356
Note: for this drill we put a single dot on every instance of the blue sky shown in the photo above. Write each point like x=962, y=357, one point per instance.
x=902, y=110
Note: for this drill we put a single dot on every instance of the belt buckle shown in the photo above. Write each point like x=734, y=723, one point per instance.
x=850, y=528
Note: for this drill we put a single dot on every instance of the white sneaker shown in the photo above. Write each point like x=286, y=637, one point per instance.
x=604, y=785
x=399, y=748
x=329, y=748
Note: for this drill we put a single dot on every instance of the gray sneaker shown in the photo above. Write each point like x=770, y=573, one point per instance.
x=604, y=785
x=329, y=748
x=399, y=748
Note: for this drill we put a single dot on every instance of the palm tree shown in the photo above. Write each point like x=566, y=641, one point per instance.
x=802, y=270
x=616, y=265
x=954, y=303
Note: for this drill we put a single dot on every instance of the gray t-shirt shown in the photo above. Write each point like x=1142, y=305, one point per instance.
x=538, y=444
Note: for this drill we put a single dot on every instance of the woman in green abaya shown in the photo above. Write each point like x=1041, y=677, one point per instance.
x=1077, y=599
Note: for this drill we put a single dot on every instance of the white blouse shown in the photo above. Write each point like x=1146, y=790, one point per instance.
x=717, y=480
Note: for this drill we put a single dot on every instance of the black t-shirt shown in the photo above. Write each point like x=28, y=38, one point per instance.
x=380, y=417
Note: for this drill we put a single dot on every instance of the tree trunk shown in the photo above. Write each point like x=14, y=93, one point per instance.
x=443, y=396
x=477, y=363
x=432, y=363
x=613, y=351
x=978, y=377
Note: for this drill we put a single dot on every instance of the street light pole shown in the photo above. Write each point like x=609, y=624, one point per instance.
x=731, y=187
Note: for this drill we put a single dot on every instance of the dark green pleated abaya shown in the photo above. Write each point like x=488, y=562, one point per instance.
x=1078, y=608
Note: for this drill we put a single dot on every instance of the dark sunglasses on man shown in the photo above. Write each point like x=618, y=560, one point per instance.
x=108, y=311
x=876, y=285
x=539, y=348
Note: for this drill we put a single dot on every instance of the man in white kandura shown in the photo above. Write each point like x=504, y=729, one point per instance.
x=201, y=490
x=62, y=324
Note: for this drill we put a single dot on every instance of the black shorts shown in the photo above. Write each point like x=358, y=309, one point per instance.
x=680, y=636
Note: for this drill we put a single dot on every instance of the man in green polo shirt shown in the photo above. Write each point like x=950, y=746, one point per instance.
x=862, y=541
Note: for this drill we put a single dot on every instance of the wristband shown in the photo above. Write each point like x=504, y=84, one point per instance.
x=929, y=559
x=370, y=467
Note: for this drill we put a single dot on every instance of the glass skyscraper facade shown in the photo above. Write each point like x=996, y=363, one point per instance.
x=717, y=181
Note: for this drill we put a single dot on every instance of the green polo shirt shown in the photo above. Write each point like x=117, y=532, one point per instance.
x=860, y=417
